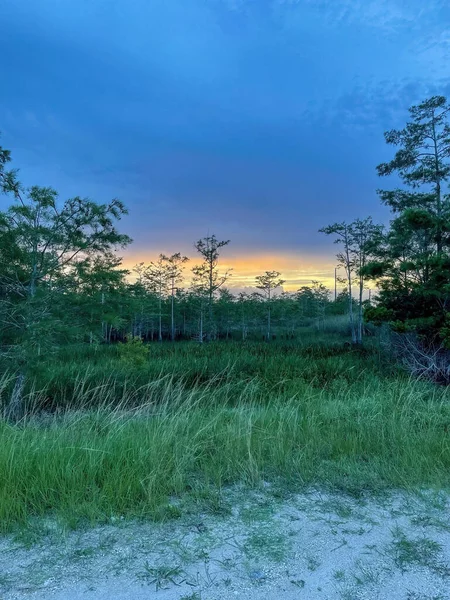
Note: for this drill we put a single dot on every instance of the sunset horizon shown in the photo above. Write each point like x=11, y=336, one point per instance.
x=297, y=271
x=257, y=121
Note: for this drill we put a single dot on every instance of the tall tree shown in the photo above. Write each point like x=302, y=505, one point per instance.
x=174, y=267
x=224, y=309
x=343, y=235
x=413, y=263
x=208, y=278
x=157, y=276
x=43, y=239
x=91, y=293
x=361, y=240
x=268, y=282
x=198, y=297
x=365, y=241
x=321, y=296
x=243, y=301
x=422, y=163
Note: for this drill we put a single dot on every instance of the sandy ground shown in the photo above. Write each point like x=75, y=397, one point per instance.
x=250, y=545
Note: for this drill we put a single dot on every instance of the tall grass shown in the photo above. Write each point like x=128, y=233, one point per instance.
x=80, y=376
x=302, y=415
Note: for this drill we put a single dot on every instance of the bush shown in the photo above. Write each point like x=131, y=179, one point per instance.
x=133, y=351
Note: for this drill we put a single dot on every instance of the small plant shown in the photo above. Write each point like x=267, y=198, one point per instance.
x=423, y=552
x=366, y=575
x=133, y=351
x=271, y=545
x=162, y=576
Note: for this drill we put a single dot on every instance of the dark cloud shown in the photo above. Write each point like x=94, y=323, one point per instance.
x=261, y=120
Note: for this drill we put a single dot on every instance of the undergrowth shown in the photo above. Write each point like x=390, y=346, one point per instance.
x=108, y=438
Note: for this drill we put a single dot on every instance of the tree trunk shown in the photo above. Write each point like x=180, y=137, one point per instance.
x=438, y=191
x=360, y=311
x=200, y=335
x=172, y=314
x=160, y=319
x=350, y=298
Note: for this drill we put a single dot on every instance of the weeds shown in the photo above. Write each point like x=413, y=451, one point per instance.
x=145, y=441
x=162, y=576
x=423, y=552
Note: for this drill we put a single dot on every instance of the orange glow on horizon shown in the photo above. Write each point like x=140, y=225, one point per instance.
x=297, y=271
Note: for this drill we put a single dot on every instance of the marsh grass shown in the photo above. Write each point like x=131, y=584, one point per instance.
x=115, y=441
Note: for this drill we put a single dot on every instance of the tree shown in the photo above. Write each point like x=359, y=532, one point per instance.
x=91, y=294
x=224, y=306
x=422, y=162
x=361, y=240
x=157, y=276
x=342, y=231
x=412, y=264
x=198, y=295
x=43, y=241
x=48, y=240
x=207, y=277
x=365, y=240
x=268, y=282
x=143, y=304
x=243, y=302
x=174, y=268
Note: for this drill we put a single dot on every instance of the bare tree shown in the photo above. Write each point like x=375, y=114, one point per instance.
x=174, y=266
x=207, y=276
x=268, y=282
x=364, y=237
x=158, y=278
x=343, y=234
x=359, y=240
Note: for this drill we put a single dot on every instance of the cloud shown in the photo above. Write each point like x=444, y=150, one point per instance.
x=261, y=120
x=370, y=108
x=388, y=16
x=433, y=54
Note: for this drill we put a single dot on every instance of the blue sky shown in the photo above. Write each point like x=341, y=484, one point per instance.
x=259, y=120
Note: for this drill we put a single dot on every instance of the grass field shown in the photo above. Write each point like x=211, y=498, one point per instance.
x=121, y=432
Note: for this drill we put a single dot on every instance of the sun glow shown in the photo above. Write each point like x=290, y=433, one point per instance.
x=297, y=271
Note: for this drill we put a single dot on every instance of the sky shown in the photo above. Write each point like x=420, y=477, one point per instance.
x=260, y=121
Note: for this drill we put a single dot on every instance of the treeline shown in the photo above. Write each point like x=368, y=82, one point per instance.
x=62, y=281
x=410, y=259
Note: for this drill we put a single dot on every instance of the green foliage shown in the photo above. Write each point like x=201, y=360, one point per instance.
x=413, y=259
x=133, y=352
x=53, y=253
x=359, y=241
x=445, y=331
x=379, y=314
x=61, y=283
x=218, y=414
x=268, y=283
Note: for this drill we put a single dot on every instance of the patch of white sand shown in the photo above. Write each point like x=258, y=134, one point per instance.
x=308, y=546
